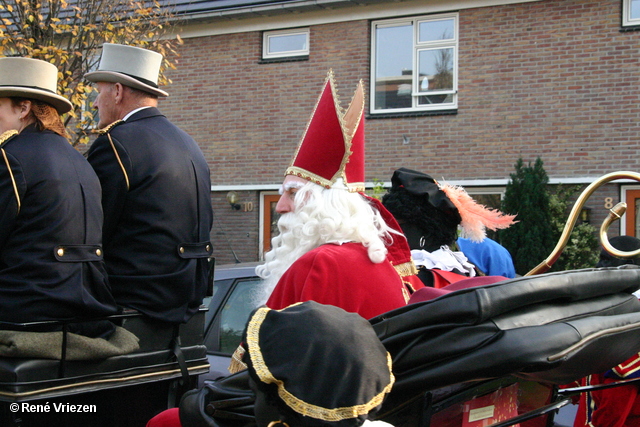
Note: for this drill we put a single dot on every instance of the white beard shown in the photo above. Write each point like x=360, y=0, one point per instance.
x=287, y=248
x=326, y=216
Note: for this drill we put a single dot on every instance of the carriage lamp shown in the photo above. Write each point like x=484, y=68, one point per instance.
x=232, y=198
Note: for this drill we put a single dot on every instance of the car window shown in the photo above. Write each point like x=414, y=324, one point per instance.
x=235, y=313
x=219, y=289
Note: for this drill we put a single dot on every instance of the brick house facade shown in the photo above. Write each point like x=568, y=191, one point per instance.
x=555, y=79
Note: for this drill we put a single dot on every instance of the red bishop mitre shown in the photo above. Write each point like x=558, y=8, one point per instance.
x=332, y=146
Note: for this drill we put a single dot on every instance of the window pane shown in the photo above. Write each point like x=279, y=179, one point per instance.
x=394, y=67
x=436, y=74
x=287, y=43
x=235, y=314
x=634, y=9
x=436, y=30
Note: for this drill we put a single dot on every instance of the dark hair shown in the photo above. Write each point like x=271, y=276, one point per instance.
x=438, y=227
x=622, y=243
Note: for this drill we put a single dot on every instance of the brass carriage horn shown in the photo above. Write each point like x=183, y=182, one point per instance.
x=615, y=214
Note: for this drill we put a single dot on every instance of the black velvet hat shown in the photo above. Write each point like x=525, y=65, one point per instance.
x=322, y=362
x=426, y=188
x=416, y=201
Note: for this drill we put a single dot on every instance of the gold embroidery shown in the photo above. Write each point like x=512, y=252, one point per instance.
x=236, y=365
x=6, y=136
x=405, y=294
x=406, y=269
x=107, y=128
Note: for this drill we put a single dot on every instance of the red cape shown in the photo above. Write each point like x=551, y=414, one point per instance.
x=344, y=276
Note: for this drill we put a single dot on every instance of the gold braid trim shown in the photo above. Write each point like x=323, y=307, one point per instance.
x=108, y=128
x=6, y=136
x=105, y=131
x=124, y=172
x=406, y=269
x=299, y=406
x=236, y=365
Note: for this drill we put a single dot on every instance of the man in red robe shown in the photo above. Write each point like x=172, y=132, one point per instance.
x=336, y=245
x=616, y=406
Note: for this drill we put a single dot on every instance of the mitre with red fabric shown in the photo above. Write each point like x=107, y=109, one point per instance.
x=332, y=146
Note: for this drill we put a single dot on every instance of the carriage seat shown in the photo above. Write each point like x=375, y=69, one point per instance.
x=166, y=352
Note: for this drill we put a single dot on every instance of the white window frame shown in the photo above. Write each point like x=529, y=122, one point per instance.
x=417, y=48
x=627, y=21
x=268, y=35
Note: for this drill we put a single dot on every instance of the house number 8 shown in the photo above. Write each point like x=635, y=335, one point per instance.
x=608, y=202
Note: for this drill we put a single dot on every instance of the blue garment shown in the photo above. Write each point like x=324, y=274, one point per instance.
x=489, y=256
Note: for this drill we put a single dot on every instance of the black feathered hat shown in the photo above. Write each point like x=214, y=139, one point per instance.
x=437, y=209
x=415, y=199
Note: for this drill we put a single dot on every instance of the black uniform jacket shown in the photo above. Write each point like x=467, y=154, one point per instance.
x=156, y=196
x=51, y=264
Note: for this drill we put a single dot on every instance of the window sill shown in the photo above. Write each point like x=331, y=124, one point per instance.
x=287, y=59
x=630, y=27
x=412, y=114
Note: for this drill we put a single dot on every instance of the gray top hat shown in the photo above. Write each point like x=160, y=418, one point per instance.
x=31, y=78
x=129, y=65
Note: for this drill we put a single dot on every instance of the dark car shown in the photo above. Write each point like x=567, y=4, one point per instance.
x=235, y=296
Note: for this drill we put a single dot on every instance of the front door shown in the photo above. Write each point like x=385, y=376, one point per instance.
x=269, y=220
x=632, y=216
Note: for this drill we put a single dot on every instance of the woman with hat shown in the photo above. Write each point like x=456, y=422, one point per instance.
x=51, y=264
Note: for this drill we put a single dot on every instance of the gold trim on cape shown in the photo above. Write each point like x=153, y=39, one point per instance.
x=299, y=406
x=406, y=269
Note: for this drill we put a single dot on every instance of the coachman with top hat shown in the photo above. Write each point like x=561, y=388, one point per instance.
x=51, y=254
x=155, y=191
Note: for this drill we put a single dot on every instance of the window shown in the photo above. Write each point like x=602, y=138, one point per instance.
x=414, y=64
x=285, y=44
x=630, y=13
x=225, y=333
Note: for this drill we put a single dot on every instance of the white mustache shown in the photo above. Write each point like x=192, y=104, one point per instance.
x=286, y=221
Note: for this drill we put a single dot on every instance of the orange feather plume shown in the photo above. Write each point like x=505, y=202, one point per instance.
x=476, y=218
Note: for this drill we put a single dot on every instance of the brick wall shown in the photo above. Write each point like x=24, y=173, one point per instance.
x=555, y=79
